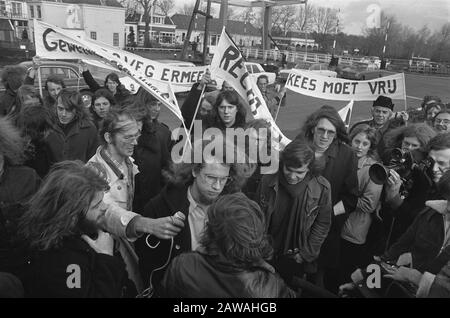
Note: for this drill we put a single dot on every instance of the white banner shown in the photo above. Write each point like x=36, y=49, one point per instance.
x=315, y=85
x=55, y=43
x=228, y=64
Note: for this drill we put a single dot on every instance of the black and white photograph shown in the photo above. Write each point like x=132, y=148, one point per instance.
x=218, y=156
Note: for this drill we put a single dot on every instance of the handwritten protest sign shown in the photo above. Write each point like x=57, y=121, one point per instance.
x=228, y=64
x=55, y=43
x=315, y=85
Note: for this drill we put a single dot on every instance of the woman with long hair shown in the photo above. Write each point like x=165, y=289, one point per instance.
x=112, y=83
x=74, y=136
x=36, y=123
x=408, y=138
x=71, y=256
x=102, y=101
x=354, y=253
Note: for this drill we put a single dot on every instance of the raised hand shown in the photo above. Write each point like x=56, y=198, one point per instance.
x=104, y=244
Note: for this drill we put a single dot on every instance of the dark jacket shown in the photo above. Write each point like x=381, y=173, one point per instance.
x=341, y=168
x=441, y=284
x=121, y=92
x=80, y=143
x=7, y=101
x=423, y=239
x=171, y=199
x=54, y=273
x=17, y=185
x=199, y=275
x=40, y=157
x=309, y=227
x=212, y=120
x=151, y=155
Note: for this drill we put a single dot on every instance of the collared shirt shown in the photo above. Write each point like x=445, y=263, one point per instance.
x=197, y=220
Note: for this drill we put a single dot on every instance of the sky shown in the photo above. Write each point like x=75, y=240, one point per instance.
x=354, y=14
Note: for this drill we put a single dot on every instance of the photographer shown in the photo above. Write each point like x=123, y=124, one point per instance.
x=421, y=187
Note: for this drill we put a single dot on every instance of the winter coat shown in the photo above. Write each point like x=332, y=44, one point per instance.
x=80, y=142
x=171, y=199
x=7, y=102
x=340, y=170
x=310, y=224
x=424, y=239
x=358, y=222
x=152, y=155
x=217, y=278
x=75, y=270
x=121, y=92
x=211, y=120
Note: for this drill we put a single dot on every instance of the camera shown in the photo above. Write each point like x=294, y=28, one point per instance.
x=404, y=163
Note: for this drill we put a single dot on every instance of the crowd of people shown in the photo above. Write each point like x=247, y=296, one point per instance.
x=92, y=203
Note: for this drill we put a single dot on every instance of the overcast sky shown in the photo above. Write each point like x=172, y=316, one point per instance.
x=415, y=13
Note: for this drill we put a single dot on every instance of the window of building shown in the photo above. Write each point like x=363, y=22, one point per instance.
x=158, y=20
x=93, y=35
x=2, y=7
x=39, y=14
x=32, y=11
x=16, y=8
x=115, y=39
x=166, y=37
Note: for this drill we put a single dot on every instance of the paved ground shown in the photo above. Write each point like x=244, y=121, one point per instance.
x=298, y=106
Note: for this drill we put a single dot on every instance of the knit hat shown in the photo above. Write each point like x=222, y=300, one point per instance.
x=384, y=101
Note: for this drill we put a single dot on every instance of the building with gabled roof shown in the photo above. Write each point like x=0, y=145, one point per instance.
x=243, y=34
x=102, y=20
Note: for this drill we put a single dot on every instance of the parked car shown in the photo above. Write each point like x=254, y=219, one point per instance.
x=320, y=68
x=70, y=73
x=271, y=68
x=257, y=70
x=353, y=71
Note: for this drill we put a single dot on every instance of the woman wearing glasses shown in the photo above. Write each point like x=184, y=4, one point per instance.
x=441, y=122
x=326, y=132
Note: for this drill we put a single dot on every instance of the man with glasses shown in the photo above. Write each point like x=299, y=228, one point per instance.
x=326, y=133
x=113, y=162
x=191, y=189
x=297, y=203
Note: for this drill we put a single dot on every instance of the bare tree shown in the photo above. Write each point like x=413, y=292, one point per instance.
x=166, y=6
x=284, y=19
x=131, y=7
x=146, y=6
x=188, y=8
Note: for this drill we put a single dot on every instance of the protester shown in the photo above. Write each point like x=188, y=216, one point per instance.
x=273, y=99
x=231, y=260
x=112, y=83
x=405, y=208
x=407, y=138
x=383, y=120
x=102, y=101
x=113, y=161
x=191, y=188
x=26, y=97
x=260, y=141
x=296, y=202
x=227, y=112
x=36, y=123
x=53, y=84
x=152, y=152
x=12, y=78
x=74, y=137
x=354, y=252
x=325, y=131
x=441, y=121
x=17, y=184
x=70, y=254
